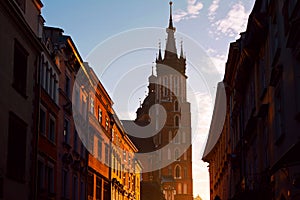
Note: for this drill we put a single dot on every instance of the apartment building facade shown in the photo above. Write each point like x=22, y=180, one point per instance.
x=20, y=54
x=254, y=155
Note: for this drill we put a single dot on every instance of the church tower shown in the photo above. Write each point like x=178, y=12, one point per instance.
x=172, y=143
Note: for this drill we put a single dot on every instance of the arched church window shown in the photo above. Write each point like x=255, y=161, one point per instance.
x=176, y=119
x=177, y=172
x=165, y=85
x=176, y=154
x=177, y=138
x=176, y=106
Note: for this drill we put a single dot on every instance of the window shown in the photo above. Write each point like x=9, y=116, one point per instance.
x=176, y=87
x=52, y=129
x=99, y=115
x=50, y=89
x=184, y=188
x=179, y=188
x=55, y=89
x=98, y=188
x=185, y=173
x=106, y=154
x=47, y=76
x=176, y=119
x=84, y=108
x=176, y=106
x=177, y=172
x=99, y=149
x=20, y=68
x=92, y=106
x=42, y=72
x=67, y=86
x=169, y=154
x=41, y=174
x=90, y=185
x=177, y=138
x=106, y=124
x=91, y=142
x=65, y=183
x=50, y=180
x=16, y=156
x=165, y=85
x=66, y=131
x=113, y=134
x=77, y=99
x=42, y=121
x=176, y=154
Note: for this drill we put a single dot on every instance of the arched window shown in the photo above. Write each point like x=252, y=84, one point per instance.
x=165, y=85
x=185, y=172
x=169, y=154
x=176, y=85
x=176, y=106
x=177, y=172
x=176, y=119
x=177, y=138
x=176, y=154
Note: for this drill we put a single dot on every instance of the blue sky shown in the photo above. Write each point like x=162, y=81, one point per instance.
x=206, y=27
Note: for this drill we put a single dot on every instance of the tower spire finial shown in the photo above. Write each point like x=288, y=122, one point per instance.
x=171, y=19
x=159, y=51
x=181, y=48
x=152, y=70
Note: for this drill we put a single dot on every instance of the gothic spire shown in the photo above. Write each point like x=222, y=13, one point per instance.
x=171, y=51
x=171, y=20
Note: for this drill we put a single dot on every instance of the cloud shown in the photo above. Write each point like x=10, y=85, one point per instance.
x=212, y=9
x=234, y=22
x=192, y=11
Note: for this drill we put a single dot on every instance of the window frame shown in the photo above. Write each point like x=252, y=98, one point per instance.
x=20, y=69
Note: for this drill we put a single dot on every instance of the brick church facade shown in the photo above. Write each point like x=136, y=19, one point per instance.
x=165, y=115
